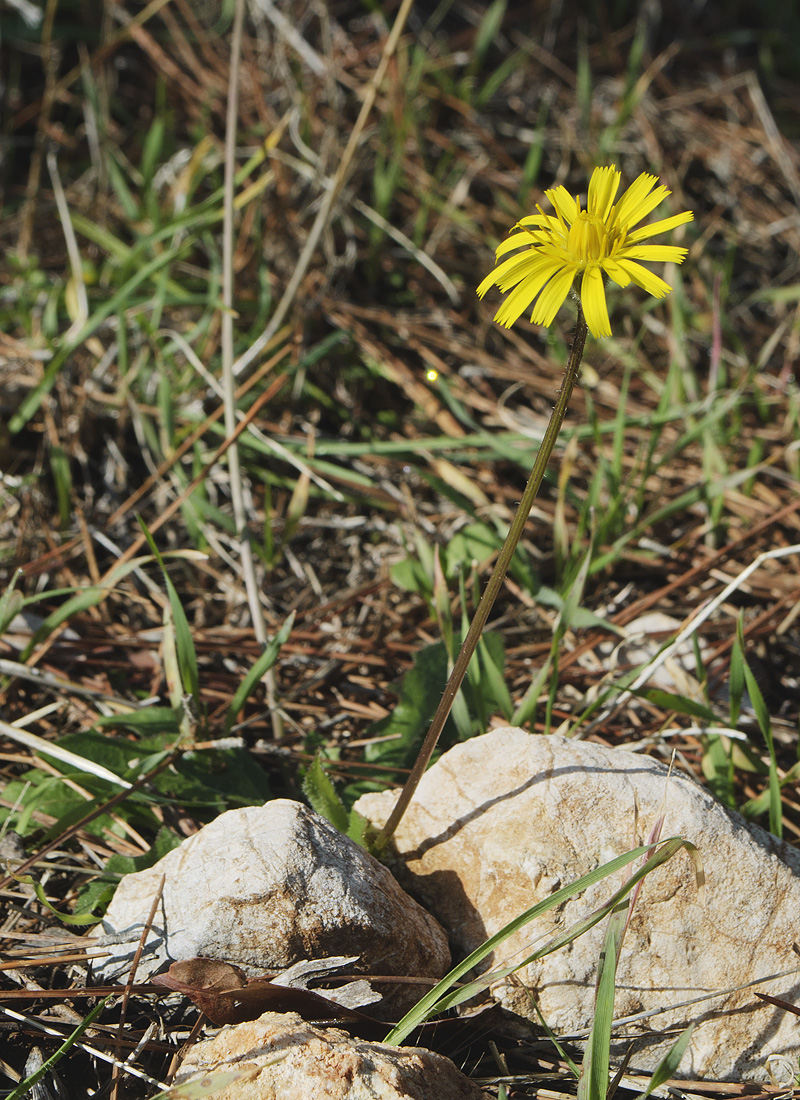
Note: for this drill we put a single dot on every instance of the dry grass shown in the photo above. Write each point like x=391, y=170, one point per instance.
x=686, y=431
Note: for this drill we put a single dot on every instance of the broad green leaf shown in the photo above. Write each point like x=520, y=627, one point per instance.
x=420, y=691
x=41, y=897
x=145, y=721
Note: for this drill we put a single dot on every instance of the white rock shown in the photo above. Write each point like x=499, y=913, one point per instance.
x=282, y=1056
x=266, y=886
x=502, y=821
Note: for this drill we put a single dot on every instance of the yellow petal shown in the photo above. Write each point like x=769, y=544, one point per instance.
x=552, y=297
x=637, y=202
x=593, y=300
x=530, y=263
x=543, y=221
x=505, y=273
x=616, y=272
x=603, y=187
x=519, y=300
x=653, y=253
x=662, y=226
x=517, y=240
x=564, y=204
x=646, y=279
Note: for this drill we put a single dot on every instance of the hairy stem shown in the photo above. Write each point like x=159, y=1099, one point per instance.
x=478, y=623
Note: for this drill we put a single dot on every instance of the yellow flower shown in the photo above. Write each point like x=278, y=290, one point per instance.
x=597, y=241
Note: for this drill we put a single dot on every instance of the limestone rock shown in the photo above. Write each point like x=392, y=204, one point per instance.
x=502, y=821
x=282, y=1056
x=265, y=886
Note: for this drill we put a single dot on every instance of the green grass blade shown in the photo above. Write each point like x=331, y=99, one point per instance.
x=668, y=1066
x=187, y=656
x=567, y=935
x=25, y=1086
x=32, y=400
x=440, y=997
x=765, y=725
x=593, y=1081
x=264, y=663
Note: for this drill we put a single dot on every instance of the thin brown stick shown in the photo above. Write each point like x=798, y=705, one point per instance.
x=126, y=996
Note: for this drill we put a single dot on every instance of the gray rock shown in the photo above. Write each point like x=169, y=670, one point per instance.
x=266, y=886
x=503, y=820
x=282, y=1056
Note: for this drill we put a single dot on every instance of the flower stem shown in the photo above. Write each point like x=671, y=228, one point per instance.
x=478, y=623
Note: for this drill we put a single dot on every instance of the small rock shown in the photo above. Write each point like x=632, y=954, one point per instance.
x=504, y=820
x=282, y=1056
x=266, y=886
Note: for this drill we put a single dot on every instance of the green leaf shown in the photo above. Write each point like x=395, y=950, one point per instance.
x=358, y=829
x=62, y=479
x=41, y=897
x=765, y=725
x=420, y=691
x=410, y=575
x=11, y=602
x=669, y=1064
x=489, y=27
x=33, y=398
x=124, y=195
x=86, y=598
x=209, y=781
x=736, y=682
x=151, y=151
x=147, y=721
x=492, y=664
x=718, y=771
x=36, y=791
x=526, y=711
x=320, y=792
x=666, y=700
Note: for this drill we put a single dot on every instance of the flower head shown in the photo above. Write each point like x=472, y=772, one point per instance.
x=596, y=242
